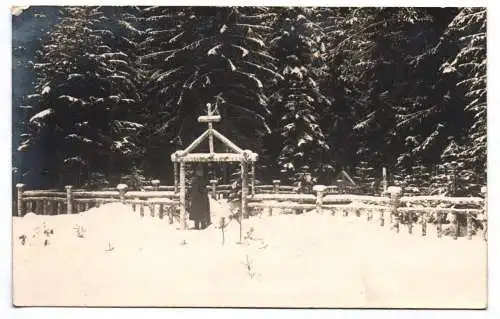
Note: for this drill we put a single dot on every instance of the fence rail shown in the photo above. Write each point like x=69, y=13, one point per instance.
x=51, y=202
x=392, y=206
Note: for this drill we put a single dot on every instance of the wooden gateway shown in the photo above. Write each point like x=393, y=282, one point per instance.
x=244, y=157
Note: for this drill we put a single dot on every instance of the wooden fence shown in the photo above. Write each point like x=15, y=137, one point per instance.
x=43, y=202
x=392, y=207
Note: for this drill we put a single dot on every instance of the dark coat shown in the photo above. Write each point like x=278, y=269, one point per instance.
x=199, y=209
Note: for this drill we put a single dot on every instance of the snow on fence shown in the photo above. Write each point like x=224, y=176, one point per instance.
x=391, y=206
x=43, y=202
x=400, y=209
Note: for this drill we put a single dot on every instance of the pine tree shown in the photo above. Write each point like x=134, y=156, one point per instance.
x=29, y=27
x=201, y=55
x=364, y=176
x=346, y=58
x=456, y=104
x=432, y=114
x=469, y=29
x=391, y=31
x=84, y=92
x=297, y=99
x=367, y=50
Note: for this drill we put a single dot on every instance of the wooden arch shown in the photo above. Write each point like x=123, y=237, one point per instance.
x=244, y=157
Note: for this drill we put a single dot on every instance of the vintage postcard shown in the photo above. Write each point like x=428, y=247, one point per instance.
x=250, y=156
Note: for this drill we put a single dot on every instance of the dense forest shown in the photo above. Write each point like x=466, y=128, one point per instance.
x=106, y=94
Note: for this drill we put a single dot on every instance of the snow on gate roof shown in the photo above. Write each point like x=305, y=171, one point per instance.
x=237, y=155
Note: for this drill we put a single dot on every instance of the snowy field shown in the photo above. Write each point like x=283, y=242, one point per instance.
x=111, y=256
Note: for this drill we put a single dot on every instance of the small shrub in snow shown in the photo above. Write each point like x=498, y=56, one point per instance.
x=222, y=225
x=249, y=234
x=22, y=238
x=110, y=247
x=135, y=179
x=249, y=267
x=80, y=231
x=48, y=232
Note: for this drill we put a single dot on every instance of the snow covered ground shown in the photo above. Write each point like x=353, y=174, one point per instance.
x=110, y=256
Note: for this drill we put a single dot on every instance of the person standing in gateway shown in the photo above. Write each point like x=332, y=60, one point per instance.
x=199, y=203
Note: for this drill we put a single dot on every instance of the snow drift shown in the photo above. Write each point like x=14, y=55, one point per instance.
x=111, y=256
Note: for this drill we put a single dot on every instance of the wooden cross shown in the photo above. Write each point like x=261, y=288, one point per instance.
x=210, y=118
x=209, y=109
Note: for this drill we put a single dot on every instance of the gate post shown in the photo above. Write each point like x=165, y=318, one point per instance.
x=182, y=195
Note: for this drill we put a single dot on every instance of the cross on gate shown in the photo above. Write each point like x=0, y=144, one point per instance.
x=210, y=118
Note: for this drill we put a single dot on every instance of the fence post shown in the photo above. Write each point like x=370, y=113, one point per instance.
x=395, y=193
x=381, y=218
x=276, y=186
x=423, y=222
x=214, y=188
x=439, y=227
x=484, y=191
x=384, y=193
x=176, y=177
x=409, y=218
x=456, y=226
x=45, y=207
x=244, y=191
x=469, y=225
x=253, y=179
x=122, y=188
x=39, y=207
x=156, y=188
x=320, y=190
x=20, y=199
x=160, y=211
x=29, y=206
x=170, y=212
x=384, y=180
x=69, y=199
x=156, y=185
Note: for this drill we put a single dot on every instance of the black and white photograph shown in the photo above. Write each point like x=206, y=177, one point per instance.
x=249, y=156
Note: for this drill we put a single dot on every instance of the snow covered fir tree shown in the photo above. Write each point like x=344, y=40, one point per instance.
x=102, y=93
